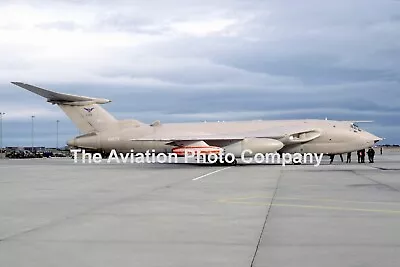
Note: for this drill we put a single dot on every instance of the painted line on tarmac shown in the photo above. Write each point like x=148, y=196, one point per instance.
x=311, y=207
x=19, y=166
x=210, y=173
x=313, y=200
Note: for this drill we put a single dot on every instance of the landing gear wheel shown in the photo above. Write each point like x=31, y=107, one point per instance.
x=221, y=162
x=213, y=162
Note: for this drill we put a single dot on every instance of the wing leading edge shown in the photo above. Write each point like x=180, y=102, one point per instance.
x=290, y=134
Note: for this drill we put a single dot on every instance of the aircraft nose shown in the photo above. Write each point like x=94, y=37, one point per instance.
x=372, y=138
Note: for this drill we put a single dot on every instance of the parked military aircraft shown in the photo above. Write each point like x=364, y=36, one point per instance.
x=102, y=132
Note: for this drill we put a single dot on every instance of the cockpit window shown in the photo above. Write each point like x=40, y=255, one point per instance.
x=355, y=127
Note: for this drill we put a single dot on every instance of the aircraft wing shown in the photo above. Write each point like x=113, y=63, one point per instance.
x=273, y=133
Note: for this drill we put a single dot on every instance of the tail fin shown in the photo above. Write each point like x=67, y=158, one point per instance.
x=84, y=111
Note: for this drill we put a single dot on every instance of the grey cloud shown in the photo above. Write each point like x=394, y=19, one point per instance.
x=310, y=69
x=131, y=23
x=395, y=17
x=192, y=72
x=60, y=25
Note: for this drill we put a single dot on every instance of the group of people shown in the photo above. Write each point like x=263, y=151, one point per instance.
x=360, y=155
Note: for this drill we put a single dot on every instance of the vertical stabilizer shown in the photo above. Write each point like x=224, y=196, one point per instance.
x=89, y=118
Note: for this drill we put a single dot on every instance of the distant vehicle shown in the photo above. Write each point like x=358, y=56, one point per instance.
x=103, y=133
x=21, y=154
x=47, y=154
x=59, y=155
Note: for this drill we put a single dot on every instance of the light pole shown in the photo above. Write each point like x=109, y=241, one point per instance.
x=1, y=132
x=58, y=121
x=32, y=136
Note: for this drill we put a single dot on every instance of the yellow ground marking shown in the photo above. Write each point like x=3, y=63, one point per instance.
x=309, y=206
x=313, y=199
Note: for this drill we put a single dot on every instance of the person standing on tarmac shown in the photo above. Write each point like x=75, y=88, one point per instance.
x=359, y=155
x=363, y=156
x=331, y=156
x=348, y=159
x=371, y=155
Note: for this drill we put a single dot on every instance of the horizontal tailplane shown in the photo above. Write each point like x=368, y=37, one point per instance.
x=84, y=111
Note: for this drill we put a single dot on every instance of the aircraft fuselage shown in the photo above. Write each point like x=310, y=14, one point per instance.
x=335, y=137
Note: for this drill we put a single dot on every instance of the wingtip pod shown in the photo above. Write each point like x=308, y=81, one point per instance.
x=55, y=97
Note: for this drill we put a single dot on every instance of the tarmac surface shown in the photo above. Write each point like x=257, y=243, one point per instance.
x=54, y=212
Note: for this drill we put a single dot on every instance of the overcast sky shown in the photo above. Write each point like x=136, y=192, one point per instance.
x=181, y=60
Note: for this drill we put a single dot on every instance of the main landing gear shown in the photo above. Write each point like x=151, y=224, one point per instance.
x=222, y=161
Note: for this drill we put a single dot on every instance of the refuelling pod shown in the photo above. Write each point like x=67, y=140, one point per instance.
x=254, y=146
x=300, y=138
